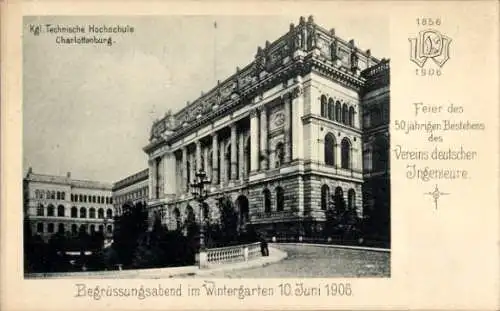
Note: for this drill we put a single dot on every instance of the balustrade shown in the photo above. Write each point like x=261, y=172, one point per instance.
x=232, y=254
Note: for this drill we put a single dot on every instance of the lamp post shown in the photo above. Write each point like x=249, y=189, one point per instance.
x=200, y=194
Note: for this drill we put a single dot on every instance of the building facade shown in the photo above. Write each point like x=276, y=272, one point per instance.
x=131, y=190
x=61, y=204
x=279, y=136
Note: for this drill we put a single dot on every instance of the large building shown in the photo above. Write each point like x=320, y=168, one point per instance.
x=63, y=204
x=303, y=121
x=131, y=191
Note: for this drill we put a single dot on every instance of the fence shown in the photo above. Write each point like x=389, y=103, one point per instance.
x=334, y=240
x=238, y=253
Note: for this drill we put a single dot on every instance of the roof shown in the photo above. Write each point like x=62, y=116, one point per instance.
x=65, y=180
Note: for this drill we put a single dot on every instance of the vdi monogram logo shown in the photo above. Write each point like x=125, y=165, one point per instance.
x=430, y=44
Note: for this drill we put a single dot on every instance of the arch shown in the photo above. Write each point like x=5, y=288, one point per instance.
x=109, y=213
x=331, y=110
x=60, y=211
x=177, y=218
x=190, y=216
x=267, y=200
x=243, y=208
x=345, y=112
x=74, y=229
x=351, y=116
x=74, y=212
x=39, y=227
x=279, y=154
x=345, y=153
x=50, y=210
x=100, y=213
x=40, y=210
x=280, y=199
x=380, y=156
x=323, y=106
x=50, y=228
x=338, y=111
x=61, y=228
x=92, y=212
x=351, y=199
x=329, y=151
x=83, y=212
x=338, y=199
x=325, y=195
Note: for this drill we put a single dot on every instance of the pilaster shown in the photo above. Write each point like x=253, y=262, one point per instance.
x=287, y=128
x=264, y=163
x=184, y=170
x=241, y=156
x=254, y=141
x=234, y=153
x=215, y=157
x=297, y=127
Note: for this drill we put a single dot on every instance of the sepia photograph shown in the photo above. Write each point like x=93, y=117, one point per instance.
x=206, y=146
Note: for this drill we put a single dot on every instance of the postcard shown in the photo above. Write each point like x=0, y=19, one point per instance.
x=250, y=155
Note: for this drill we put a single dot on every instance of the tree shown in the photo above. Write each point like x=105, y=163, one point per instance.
x=340, y=220
x=228, y=219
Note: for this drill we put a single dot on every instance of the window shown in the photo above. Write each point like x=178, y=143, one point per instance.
x=92, y=228
x=39, y=227
x=74, y=212
x=325, y=194
x=177, y=217
x=345, y=112
x=380, y=154
x=100, y=213
x=92, y=212
x=40, y=210
x=110, y=200
x=63, y=195
x=61, y=228
x=50, y=210
x=109, y=229
x=280, y=199
x=50, y=228
x=60, y=211
x=351, y=116
x=93, y=199
x=74, y=229
x=109, y=213
x=338, y=111
x=331, y=110
x=37, y=194
x=80, y=197
x=83, y=212
x=101, y=228
x=279, y=155
x=323, y=106
x=267, y=200
x=351, y=197
x=346, y=153
x=58, y=195
x=53, y=195
x=329, y=149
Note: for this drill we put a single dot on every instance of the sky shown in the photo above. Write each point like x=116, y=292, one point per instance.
x=88, y=109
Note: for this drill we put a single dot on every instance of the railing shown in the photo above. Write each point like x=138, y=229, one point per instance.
x=231, y=254
x=281, y=214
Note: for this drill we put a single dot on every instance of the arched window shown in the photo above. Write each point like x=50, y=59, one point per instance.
x=92, y=228
x=100, y=213
x=331, y=110
x=74, y=212
x=280, y=199
x=338, y=199
x=39, y=227
x=80, y=198
x=338, y=112
x=325, y=194
x=74, y=229
x=109, y=229
x=50, y=210
x=60, y=211
x=329, y=149
x=109, y=213
x=63, y=195
x=279, y=154
x=53, y=195
x=351, y=116
x=351, y=199
x=346, y=153
x=323, y=106
x=92, y=212
x=267, y=200
x=40, y=210
x=380, y=154
x=58, y=195
x=345, y=112
x=61, y=228
x=83, y=212
x=50, y=228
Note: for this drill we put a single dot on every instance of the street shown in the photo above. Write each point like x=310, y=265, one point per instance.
x=315, y=261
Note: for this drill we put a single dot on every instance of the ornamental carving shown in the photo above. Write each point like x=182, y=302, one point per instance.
x=296, y=92
x=278, y=119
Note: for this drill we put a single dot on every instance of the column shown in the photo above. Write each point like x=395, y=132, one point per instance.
x=287, y=128
x=150, y=179
x=254, y=141
x=241, y=156
x=264, y=164
x=168, y=173
x=215, y=166
x=338, y=153
x=184, y=170
x=198, y=156
x=205, y=161
x=222, y=168
x=234, y=153
x=297, y=128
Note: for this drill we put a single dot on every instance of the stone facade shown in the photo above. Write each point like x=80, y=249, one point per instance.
x=60, y=203
x=131, y=190
x=279, y=136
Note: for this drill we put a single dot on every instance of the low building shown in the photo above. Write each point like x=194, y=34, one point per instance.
x=131, y=191
x=62, y=204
